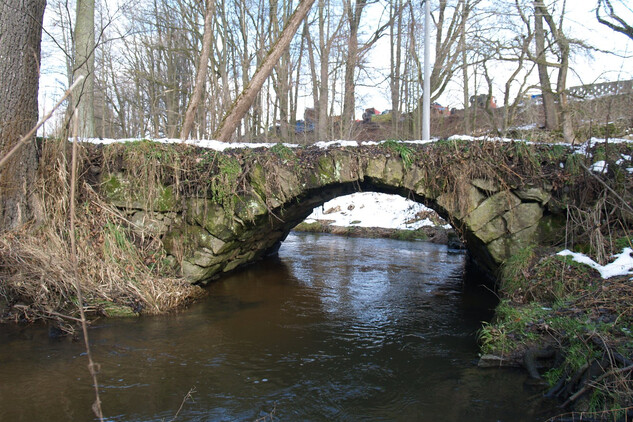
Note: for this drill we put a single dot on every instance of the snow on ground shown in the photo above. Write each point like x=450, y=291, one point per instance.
x=371, y=209
x=623, y=264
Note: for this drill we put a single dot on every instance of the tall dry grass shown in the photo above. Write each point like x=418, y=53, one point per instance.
x=120, y=273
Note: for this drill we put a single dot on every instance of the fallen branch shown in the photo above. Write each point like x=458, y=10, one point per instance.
x=589, y=385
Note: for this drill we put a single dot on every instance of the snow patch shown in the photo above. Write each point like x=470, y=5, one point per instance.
x=623, y=264
x=371, y=209
x=599, y=167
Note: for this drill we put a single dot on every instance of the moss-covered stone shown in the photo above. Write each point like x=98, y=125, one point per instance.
x=490, y=208
x=326, y=171
x=394, y=171
x=239, y=261
x=534, y=194
x=211, y=216
x=506, y=246
x=522, y=216
x=124, y=193
x=485, y=185
x=492, y=230
x=195, y=273
x=250, y=206
x=376, y=167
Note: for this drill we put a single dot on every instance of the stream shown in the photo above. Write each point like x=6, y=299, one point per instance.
x=332, y=329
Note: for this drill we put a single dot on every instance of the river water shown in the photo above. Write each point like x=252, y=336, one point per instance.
x=334, y=329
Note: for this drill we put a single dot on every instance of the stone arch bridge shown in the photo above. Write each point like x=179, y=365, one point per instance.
x=216, y=211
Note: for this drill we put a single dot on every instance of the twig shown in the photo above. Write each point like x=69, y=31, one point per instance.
x=189, y=395
x=23, y=140
x=607, y=187
x=96, y=407
x=57, y=314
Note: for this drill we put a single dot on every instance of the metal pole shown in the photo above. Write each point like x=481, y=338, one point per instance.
x=426, y=93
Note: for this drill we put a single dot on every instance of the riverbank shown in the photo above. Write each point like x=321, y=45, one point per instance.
x=121, y=271
x=570, y=328
x=432, y=234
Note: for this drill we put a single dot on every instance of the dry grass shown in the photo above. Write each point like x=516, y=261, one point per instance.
x=119, y=273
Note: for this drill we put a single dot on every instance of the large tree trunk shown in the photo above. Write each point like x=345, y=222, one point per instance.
x=20, y=39
x=246, y=98
x=395, y=36
x=84, y=65
x=201, y=74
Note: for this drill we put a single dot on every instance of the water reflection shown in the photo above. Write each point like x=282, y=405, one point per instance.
x=333, y=329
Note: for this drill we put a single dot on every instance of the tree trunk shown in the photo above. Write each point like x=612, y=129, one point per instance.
x=549, y=103
x=561, y=83
x=464, y=54
x=246, y=98
x=201, y=73
x=354, y=13
x=396, y=55
x=84, y=65
x=20, y=39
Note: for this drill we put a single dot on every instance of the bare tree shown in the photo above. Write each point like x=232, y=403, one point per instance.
x=20, y=40
x=613, y=19
x=246, y=98
x=562, y=43
x=549, y=101
x=201, y=73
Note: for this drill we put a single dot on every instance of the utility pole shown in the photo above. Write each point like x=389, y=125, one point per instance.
x=426, y=93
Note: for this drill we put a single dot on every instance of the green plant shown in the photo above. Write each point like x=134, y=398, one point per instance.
x=285, y=153
x=404, y=151
x=223, y=183
x=623, y=242
x=493, y=338
x=552, y=375
x=514, y=280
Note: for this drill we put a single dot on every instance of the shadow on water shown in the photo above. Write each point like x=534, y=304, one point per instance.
x=332, y=329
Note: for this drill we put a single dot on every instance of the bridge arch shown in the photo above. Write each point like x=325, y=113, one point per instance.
x=479, y=191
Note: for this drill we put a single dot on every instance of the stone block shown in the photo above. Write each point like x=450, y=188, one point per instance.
x=533, y=194
x=504, y=247
x=153, y=223
x=490, y=208
x=394, y=171
x=376, y=167
x=492, y=230
x=194, y=273
x=485, y=185
x=522, y=216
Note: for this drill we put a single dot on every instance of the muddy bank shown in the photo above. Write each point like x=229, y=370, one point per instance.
x=434, y=234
